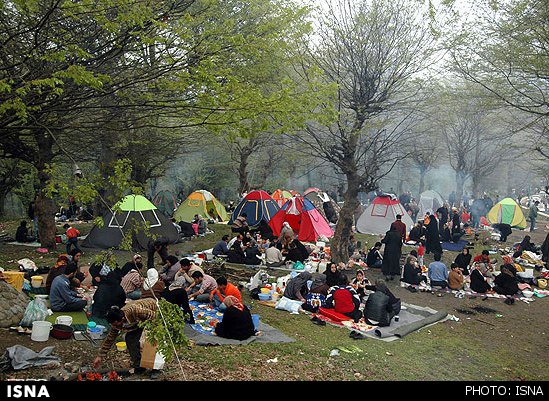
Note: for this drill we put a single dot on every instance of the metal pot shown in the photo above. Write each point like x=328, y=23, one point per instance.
x=62, y=331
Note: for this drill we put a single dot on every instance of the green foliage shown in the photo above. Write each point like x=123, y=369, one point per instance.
x=166, y=329
x=106, y=258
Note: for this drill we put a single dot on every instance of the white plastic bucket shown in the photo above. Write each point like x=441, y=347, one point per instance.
x=66, y=320
x=36, y=281
x=41, y=330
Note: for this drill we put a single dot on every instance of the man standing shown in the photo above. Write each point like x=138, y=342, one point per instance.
x=400, y=227
x=533, y=215
x=160, y=246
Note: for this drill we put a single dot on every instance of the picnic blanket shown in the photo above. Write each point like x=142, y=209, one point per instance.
x=202, y=333
x=411, y=318
x=31, y=244
x=454, y=246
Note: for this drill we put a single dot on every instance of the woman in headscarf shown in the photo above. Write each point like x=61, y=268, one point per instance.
x=57, y=270
x=509, y=264
x=237, y=323
x=479, y=280
x=333, y=275
x=463, y=260
x=506, y=283
x=525, y=245
x=109, y=293
x=390, y=266
x=296, y=288
x=152, y=286
x=412, y=273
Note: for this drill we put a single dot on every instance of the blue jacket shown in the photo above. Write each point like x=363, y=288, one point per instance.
x=220, y=248
x=438, y=272
x=61, y=294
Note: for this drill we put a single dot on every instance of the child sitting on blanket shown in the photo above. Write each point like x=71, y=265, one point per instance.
x=456, y=281
x=359, y=283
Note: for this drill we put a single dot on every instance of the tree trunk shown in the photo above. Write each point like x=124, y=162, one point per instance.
x=422, y=174
x=244, y=185
x=476, y=185
x=2, y=201
x=340, y=242
x=460, y=182
x=45, y=207
x=105, y=169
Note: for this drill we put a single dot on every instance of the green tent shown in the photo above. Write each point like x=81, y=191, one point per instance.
x=200, y=202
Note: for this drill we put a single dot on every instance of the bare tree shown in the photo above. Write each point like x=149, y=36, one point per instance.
x=371, y=51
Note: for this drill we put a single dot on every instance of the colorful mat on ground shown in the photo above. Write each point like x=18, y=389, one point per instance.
x=454, y=246
x=77, y=317
x=205, y=317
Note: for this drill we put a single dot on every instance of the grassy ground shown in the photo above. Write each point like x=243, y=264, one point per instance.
x=479, y=346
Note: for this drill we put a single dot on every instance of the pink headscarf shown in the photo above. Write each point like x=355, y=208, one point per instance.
x=231, y=300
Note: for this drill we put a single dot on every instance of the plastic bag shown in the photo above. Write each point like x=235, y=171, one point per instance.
x=288, y=304
x=36, y=310
x=298, y=265
x=27, y=264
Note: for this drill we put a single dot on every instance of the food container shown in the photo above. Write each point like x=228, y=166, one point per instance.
x=40, y=330
x=265, y=290
x=64, y=320
x=265, y=297
x=121, y=346
x=62, y=331
x=36, y=281
x=275, y=296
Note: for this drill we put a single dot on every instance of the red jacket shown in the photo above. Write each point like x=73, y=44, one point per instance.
x=401, y=228
x=72, y=232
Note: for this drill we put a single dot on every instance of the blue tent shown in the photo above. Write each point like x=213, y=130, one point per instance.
x=258, y=205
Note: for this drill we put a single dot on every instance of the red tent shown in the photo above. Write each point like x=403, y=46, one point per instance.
x=304, y=219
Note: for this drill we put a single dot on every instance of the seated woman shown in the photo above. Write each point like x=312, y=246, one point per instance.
x=296, y=288
x=319, y=285
x=456, y=281
x=417, y=233
x=57, y=270
x=297, y=251
x=446, y=235
x=412, y=272
x=506, y=283
x=525, y=245
x=381, y=306
x=109, y=293
x=236, y=254
x=359, y=283
x=463, y=260
x=237, y=323
x=479, y=279
x=344, y=299
x=252, y=254
x=333, y=275
x=510, y=265
x=152, y=285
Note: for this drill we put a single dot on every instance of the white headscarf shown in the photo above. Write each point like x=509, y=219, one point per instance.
x=151, y=280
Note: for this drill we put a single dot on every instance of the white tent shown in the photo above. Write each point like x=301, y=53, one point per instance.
x=379, y=215
x=429, y=201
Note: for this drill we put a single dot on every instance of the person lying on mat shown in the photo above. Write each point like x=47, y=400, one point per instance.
x=237, y=323
x=480, y=277
x=438, y=273
x=456, y=280
x=127, y=319
x=344, y=299
x=223, y=290
x=62, y=298
x=381, y=306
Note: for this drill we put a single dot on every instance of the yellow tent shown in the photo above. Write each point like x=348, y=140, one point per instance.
x=507, y=211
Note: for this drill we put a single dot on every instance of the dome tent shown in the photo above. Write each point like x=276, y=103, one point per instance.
x=508, y=212
x=200, y=202
x=128, y=216
x=166, y=202
x=304, y=219
x=429, y=201
x=379, y=215
x=281, y=196
x=327, y=207
x=258, y=205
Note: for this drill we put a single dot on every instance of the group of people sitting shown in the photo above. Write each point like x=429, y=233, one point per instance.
x=465, y=272
x=247, y=247
x=334, y=291
x=178, y=282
